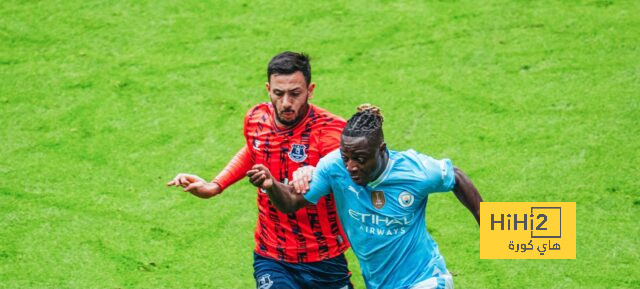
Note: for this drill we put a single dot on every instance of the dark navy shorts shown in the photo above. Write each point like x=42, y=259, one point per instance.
x=273, y=274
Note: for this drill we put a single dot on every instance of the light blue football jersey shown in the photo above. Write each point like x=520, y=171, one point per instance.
x=385, y=221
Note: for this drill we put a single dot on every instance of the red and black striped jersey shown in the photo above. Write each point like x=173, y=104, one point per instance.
x=313, y=233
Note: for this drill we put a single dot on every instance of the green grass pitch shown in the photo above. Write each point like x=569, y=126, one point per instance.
x=103, y=102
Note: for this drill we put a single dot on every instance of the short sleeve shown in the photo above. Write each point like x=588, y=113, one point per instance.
x=447, y=176
x=320, y=182
x=439, y=174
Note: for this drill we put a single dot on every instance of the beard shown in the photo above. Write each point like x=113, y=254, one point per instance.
x=300, y=114
x=292, y=122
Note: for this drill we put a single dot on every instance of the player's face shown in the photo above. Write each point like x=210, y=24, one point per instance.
x=364, y=161
x=289, y=95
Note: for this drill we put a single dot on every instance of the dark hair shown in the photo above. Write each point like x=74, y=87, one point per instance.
x=289, y=62
x=366, y=122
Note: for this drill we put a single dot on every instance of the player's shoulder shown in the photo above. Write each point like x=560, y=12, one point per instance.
x=412, y=158
x=432, y=167
x=409, y=154
x=321, y=116
x=258, y=110
x=331, y=161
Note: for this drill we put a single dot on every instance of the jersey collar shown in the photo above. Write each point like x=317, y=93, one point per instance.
x=384, y=174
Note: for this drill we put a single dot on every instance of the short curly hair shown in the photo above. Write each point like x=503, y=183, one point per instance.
x=289, y=62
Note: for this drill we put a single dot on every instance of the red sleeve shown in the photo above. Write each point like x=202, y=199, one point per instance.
x=236, y=169
x=330, y=136
x=238, y=166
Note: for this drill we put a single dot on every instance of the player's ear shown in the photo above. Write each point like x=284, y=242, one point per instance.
x=310, y=89
x=266, y=85
x=383, y=147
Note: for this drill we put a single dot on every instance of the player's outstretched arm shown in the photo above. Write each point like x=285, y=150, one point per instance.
x=467, y=193
x=281, y=195
x=195, y=185
x=235, y=170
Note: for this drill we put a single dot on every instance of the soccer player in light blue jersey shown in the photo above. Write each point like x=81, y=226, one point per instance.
x=381, y=196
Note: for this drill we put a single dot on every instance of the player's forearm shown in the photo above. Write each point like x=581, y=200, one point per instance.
x=467, y=193
x=206, y=191
x=284, y=199
x=235, y=169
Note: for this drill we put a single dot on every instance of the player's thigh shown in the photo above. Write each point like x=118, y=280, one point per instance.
x=270, y=274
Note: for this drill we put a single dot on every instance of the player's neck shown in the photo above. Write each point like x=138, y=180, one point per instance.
x=384, y=160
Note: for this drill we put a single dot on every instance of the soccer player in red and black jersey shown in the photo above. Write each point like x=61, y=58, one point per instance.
x=303, y=249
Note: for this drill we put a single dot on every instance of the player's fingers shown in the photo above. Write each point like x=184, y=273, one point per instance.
x=193, y=178
x=296, y=186
x=300, y=189
x=267, y=172
x=262, y=170
x=258, y=180
x=186, y=180
x=190, y=187
x=254, y=178
x=174, y=181
x=193, y=186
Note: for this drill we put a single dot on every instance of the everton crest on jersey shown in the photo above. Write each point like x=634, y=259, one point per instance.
x=298, y=153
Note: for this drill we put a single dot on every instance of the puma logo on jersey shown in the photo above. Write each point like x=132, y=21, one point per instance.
x=351, y=188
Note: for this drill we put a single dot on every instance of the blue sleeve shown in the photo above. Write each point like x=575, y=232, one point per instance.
x=439, y=174
x=320, y=182
x=447, y=176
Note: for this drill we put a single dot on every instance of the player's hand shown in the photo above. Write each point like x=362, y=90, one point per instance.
x=196, y=185
x=203, y=189
x=260, y=177
x=301, y=179
x=184, y=180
